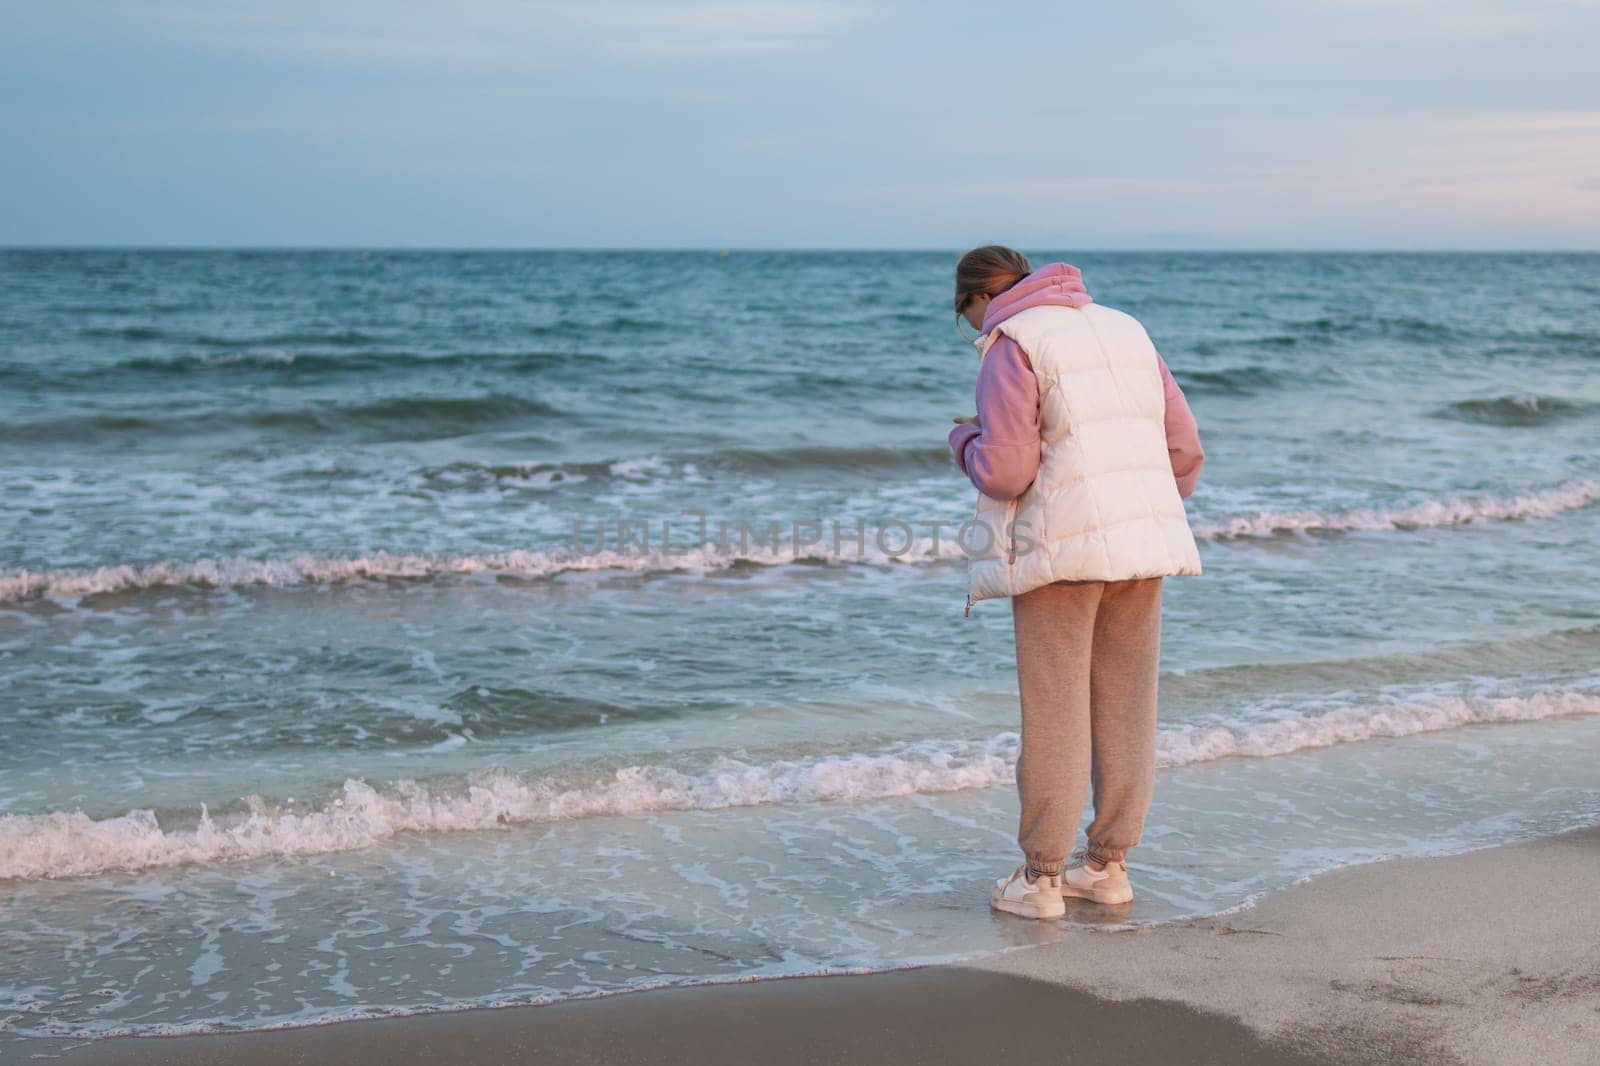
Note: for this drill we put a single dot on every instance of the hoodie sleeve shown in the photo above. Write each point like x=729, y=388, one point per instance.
x=1183, y=435
x=1002, y=457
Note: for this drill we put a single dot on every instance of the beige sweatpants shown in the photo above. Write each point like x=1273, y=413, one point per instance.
x=1088, y=658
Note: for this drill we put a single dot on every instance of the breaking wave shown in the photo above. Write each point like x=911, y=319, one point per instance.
x=71, y=844
x=1521, y=409
x=1568, y=496
x=847, y=548
x=384, y=566
x=690, y=465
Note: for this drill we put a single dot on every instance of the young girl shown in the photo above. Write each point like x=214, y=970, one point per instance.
x=1082, y=451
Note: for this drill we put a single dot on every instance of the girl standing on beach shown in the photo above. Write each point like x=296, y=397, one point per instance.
x=1082, y=452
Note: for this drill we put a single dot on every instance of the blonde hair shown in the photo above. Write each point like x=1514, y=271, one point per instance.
x=988, y=271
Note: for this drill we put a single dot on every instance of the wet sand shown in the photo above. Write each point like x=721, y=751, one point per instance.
x=1492, y=956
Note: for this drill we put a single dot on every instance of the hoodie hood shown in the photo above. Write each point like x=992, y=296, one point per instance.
x=1060, y=284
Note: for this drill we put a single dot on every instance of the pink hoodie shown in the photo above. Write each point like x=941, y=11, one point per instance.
x=1002, y=457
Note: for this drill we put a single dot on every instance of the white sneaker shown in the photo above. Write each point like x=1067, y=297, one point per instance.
x=1107, y=886
x=1030, y=899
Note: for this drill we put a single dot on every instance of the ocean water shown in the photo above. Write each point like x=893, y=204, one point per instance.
x=332, y=688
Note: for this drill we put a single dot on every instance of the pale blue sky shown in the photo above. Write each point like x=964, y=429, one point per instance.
x=1312, y=124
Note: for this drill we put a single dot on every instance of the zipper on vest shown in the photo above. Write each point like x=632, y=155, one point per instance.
x=977, y=505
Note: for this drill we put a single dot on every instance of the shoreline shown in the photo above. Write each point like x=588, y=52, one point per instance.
x=1485, y=956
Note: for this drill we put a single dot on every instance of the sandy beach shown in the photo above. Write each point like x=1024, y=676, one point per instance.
x=1492, y=956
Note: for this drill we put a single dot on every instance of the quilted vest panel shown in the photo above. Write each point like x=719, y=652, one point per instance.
x=1104, y=505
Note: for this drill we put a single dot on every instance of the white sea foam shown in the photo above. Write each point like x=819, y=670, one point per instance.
x=847, y=547
x=318, y=570
x=1568, y=496
x=67, y=844
x=643, y=467
x=1282, y=736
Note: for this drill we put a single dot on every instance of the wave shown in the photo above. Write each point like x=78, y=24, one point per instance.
x=340, y=339
x=306, y=569
x=1231, y=381
x=422, y=416
x=125, y=333
x=1520, y=409
x=1323, y=325
x=730, y=460
x=361, y=362
x=1322, y=331
x=1290, y=734
x=1568, y=496
x=490, y=711
x=1559, y=654
x=283, y=363
x=384, y=566
x=1409, y=328
x=72, y=844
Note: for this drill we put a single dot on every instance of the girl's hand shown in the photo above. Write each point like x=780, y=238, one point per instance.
x=971, y=420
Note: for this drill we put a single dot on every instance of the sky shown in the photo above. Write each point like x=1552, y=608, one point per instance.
x=1373, y=124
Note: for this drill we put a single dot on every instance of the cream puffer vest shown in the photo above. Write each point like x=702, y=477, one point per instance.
x=1104, y=505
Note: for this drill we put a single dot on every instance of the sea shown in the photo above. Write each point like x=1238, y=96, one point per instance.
x=386, y=632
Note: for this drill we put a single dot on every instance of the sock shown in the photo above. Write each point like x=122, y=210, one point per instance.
x=1092, y=857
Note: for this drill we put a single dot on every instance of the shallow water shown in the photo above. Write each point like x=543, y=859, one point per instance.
x=315, y=706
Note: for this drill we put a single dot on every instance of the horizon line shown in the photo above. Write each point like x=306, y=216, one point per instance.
x=731, y=249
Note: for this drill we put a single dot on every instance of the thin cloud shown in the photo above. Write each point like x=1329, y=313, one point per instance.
x=1462, y=19
x=713, y=29
x=712, y=122
x=501, y=34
